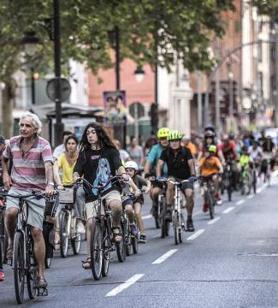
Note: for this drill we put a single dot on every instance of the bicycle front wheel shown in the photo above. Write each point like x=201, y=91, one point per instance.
x=121, y=246
x=96, y=249
x=106, y=246
x=75, y=239
x=19, y=270
x=64, y=236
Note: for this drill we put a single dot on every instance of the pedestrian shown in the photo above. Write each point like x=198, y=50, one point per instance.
x=136, y=152
x=123, y=153
x=31, y=159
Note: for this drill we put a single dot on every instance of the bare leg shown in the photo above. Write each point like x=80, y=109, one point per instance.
x=10, y=224
x=39, y=249
x=138, y=216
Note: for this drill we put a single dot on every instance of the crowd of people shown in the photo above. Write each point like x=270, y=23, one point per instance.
x=28, y=164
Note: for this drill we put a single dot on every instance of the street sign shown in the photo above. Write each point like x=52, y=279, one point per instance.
x=64, y=86
x=137, y=110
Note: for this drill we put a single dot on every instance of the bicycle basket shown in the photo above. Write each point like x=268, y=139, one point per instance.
x=66, y=196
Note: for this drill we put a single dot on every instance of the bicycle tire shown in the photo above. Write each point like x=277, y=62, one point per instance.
x=229, y=191
x=75, y=240
x=106, y=248
x=176, y=227
x=64, y=238
x=96, y=249
x=31, y=269
x=19, y=270
x=134, y=244
x=180, y=235
x=121, y=246
x=211, y=206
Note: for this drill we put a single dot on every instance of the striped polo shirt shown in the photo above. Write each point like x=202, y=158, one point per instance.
x=28, y=171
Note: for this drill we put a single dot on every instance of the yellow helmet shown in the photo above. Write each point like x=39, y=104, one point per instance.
x=163, y=132
x=174, y=135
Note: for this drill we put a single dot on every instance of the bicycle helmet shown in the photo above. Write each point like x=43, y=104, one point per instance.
x=212, y=149
x=132, y=165
x=210, y=128
x=209, y=134
x=163, y=132
x=174, y=135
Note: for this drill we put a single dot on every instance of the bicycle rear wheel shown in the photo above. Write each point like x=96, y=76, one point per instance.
x=64, y=236
x=121, y=246
x=31, y=269
x=211, y=206
x=96, y=249
x=19, y=270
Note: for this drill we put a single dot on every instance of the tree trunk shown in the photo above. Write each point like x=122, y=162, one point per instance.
x=8, y=95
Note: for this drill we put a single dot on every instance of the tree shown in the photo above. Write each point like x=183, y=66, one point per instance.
x=154, y=32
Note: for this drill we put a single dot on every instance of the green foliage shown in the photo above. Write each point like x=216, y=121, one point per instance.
x=268, y=7
x=178, y=27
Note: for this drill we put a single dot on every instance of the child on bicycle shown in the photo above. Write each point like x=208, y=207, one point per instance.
x=210, y=166
x=244, y=159
x=136, y=204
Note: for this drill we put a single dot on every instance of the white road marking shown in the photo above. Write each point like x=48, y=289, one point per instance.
x=213, y=221
x=240, y=202
x=165, y=256
x=147, y=216
x=250, y=197
x=124, y=285
x=228, y=210
x=259, y=190
x=195, y=235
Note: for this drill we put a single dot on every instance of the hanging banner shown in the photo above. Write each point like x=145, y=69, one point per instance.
x=115, y=105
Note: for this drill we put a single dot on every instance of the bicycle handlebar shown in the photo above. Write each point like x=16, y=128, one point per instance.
x=113, y=179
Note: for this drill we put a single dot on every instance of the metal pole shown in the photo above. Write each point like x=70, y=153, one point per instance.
x=276, y=74
x=231, y=111
x=33, y=93
x=200, y=103
x=217, y=91
x=118, y=60
x=59, y=127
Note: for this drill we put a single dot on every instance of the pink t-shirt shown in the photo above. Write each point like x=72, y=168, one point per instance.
x=28, y=171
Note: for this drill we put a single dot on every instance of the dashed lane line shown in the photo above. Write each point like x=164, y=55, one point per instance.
x=147, y=217
x=213, y=221
x=195, y=235
x=228, y=210
x=124, y=285
x=164, y=257
x=250, y=197
x=240, y=202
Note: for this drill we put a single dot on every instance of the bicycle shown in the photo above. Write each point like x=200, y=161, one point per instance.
x=227, y=180
x=178, y=220
x=209, y=194
x=246, y=180
x=101, y=244
x=24, y=263
x=68, y=223
x=3, y=237
x=131, y=240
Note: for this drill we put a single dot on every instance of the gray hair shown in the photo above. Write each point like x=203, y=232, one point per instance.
x=34, y=118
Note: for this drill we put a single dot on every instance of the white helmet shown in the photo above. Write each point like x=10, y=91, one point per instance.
x=131, y=164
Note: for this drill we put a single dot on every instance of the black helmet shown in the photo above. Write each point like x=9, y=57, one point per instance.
x=209, y=134
x=210, y=128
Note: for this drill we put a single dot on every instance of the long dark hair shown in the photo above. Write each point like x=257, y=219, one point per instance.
x=67, y=140
x=103, y=138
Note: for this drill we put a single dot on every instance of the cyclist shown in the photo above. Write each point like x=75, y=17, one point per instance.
x=61, y=147
x=98, y=160
x=65, y=164
x=181, y=166
x=132, y=169
x=245, y=158
x=186, y=141
x=151, y=163
x=267, y=164
x=210, y=165
x=31, y=159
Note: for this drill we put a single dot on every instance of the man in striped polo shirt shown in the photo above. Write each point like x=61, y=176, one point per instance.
x=31, y=159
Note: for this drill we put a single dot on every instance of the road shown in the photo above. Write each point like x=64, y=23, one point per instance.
x=231, y=261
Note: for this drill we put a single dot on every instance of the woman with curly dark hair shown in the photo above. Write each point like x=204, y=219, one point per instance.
x=98, y=160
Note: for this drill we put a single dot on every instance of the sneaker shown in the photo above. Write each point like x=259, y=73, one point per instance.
x=219, y=201
x=2, y=275
x=205, y=207
x=80, y=228
x=133, y=230
x=142, y=239
x=190, y=226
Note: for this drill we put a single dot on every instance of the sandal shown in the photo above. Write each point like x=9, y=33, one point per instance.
x=9, y=253
x=87, y=264
x=117, y=235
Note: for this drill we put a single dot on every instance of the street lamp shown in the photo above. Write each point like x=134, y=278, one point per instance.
x=30, y=42
x=139, y=74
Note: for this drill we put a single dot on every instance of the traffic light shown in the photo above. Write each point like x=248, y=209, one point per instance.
x=154, y=116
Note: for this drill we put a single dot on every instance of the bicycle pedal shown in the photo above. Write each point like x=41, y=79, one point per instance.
x=42, y=292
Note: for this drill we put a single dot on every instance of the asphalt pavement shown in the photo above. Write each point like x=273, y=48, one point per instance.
x=231, y=261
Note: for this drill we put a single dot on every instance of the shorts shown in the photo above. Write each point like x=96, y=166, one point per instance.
x=36, y=207
x=184, y=186
x=90, y=207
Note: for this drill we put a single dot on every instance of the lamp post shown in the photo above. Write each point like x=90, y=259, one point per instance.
x=139, y=74
x=30, y=42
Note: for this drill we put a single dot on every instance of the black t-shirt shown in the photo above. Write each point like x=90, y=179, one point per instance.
x=177, y=162
x=97, y=166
